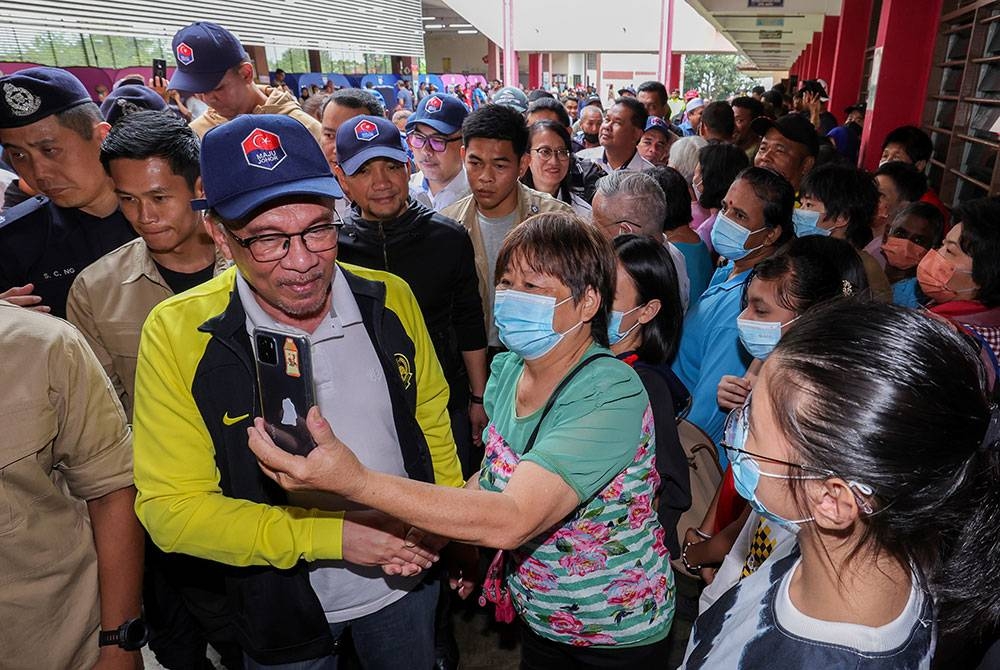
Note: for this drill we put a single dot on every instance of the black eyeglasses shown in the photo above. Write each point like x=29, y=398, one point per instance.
x=737, y=422
x=546, y=153
x=271, y=247
x=438, y=142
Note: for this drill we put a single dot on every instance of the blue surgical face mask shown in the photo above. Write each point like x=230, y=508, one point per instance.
x=806, y=223
x=524, y=322
x=615, y=325
x=747, y=474
x=760, y=337
x=730, y=238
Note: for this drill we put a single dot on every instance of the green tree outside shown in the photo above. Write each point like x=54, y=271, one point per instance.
x=715, y=76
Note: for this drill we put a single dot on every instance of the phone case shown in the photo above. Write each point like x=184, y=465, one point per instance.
x=285, y=381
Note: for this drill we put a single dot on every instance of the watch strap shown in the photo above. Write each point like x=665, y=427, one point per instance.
x=107, y=638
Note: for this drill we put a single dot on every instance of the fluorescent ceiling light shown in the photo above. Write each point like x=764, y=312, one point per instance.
x=467, y=32
x=434, y=25
x=427, y=18
x=459, y=25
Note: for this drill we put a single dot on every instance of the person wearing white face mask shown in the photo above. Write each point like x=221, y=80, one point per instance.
x=568, y=480
x=862, y=486
x=778, y=292
x=644, y=331
x=840, y=201
x=755, y=220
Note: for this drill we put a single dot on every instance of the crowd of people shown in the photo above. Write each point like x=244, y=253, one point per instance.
x=528, y=316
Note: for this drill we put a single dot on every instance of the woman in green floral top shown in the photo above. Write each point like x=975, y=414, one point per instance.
x=587, y=570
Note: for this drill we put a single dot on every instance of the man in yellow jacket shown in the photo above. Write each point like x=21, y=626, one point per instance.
x=284, y=576
x=212, y=63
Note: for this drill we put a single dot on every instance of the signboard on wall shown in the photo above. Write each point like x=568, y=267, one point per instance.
x=770, y=22
x=770, y=35
x=765, y=3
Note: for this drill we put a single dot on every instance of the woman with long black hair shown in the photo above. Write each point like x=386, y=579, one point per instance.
x=870, y=435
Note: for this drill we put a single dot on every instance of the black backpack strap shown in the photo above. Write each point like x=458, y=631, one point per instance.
x=555, y=394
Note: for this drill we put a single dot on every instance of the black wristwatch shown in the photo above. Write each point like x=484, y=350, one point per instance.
x=130, y=636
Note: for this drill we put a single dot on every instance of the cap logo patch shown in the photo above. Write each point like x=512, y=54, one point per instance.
x=366, y=131
x=185, y=54
x=21, y=101
x=433, y=105
x=262, y=149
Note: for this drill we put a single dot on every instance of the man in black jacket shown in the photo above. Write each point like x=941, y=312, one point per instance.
x=385, y=230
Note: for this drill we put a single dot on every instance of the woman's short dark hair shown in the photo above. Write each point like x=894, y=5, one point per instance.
x=811, y=270
x=154, y=134
x=550, y=104
x=675, y=188
x=571, y=250
x=648, y=263
x=893, y=399
x=778, y=197
x=497, y=122
x=565, y=194
x=980, y=239
x=845, y=191
x=720, y=163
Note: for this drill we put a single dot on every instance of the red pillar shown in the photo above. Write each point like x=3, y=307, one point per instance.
x=906, y=35
x=534, y=71
x=828, y=48
x=675, y=71
x=807, y=62
x=849, y=61
x=816, y=43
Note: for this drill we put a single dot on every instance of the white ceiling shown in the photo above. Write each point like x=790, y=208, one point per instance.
x=770, y=37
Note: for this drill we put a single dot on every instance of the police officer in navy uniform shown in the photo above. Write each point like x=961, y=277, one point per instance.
x=51, y=133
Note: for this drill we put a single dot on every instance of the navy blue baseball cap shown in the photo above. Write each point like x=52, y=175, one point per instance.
x=31, y=95
x=511, y=97
x=443, y=113
x=656, y=123
x=204, y=52
x=130, y=98
x=366, y=137
x=257, y=158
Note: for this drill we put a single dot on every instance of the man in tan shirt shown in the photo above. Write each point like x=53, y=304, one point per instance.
x=495, y=152
x=212, y=64
x=152, y=158
x=71, y=553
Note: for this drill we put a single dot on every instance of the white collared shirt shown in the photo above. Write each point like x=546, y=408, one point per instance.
x=599, y=156
x=454, y=191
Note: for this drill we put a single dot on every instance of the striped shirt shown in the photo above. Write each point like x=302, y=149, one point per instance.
x=603, y=576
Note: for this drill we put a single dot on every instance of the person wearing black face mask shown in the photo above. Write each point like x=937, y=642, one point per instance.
x=591, y=118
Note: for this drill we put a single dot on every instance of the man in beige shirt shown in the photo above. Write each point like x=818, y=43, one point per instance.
x=71, y=553
x=495, y=152
x=153, y=160
x=212, y=64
